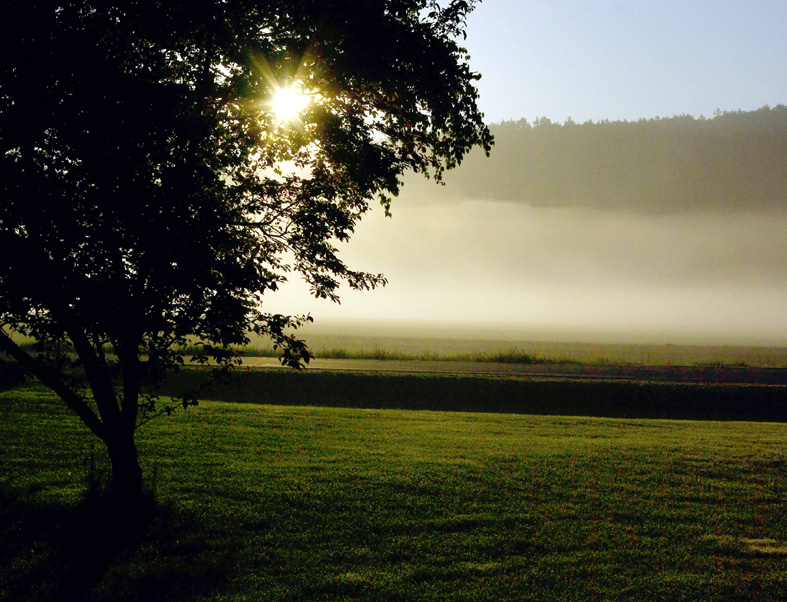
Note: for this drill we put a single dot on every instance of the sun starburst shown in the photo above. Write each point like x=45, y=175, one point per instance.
x=288, y=103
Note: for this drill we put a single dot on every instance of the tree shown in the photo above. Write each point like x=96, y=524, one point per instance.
x=149, y=192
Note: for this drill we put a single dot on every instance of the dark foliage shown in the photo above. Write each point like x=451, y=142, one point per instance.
x=148, y=193
x=732, y=161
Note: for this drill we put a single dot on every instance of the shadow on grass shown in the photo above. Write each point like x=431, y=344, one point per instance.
x=441, y=392
x=96, y=551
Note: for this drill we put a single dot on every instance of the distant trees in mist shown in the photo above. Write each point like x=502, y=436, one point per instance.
x=734, y=160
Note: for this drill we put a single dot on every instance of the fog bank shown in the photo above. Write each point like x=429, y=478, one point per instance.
x=572, y=273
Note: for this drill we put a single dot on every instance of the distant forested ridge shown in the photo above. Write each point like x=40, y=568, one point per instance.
x=732, y=161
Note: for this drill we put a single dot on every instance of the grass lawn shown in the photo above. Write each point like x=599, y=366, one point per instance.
x=266, y=502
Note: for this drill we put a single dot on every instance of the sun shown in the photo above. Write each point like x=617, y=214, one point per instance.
x=287, y=103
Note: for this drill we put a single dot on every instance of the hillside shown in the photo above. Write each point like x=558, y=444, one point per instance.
x=732, y=161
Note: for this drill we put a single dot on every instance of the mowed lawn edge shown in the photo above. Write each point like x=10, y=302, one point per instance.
x=271, y=502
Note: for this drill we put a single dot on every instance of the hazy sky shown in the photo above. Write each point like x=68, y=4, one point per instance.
x=627, y=59
x=579, y=273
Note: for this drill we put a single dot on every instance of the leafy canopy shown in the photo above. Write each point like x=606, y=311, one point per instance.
x=148, y=191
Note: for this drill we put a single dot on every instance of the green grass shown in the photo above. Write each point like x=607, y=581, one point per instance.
x=513, y=355
x=472, y=393
x=264, y=502
x=413, y=349
x=354, y=346
x=510, y=356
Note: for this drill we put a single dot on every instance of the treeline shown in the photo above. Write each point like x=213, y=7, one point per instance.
x=734, y=160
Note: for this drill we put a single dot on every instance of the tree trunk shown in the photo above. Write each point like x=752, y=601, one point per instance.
x=126, y=472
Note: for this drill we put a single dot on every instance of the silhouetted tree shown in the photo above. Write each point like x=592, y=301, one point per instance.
x=148, y=192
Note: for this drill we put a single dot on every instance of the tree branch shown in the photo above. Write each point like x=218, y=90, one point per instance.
x=96, y=372
x=129, y=360
x=52, y=380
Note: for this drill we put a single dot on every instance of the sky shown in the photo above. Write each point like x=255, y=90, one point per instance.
x=581, y=273
x=627, y=59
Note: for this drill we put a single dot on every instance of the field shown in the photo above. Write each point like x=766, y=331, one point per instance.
x=406, y=342
x=297, y=502
x=332, y=342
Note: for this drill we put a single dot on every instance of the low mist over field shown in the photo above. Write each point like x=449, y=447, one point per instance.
x=676, y=264
x=570, y=271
